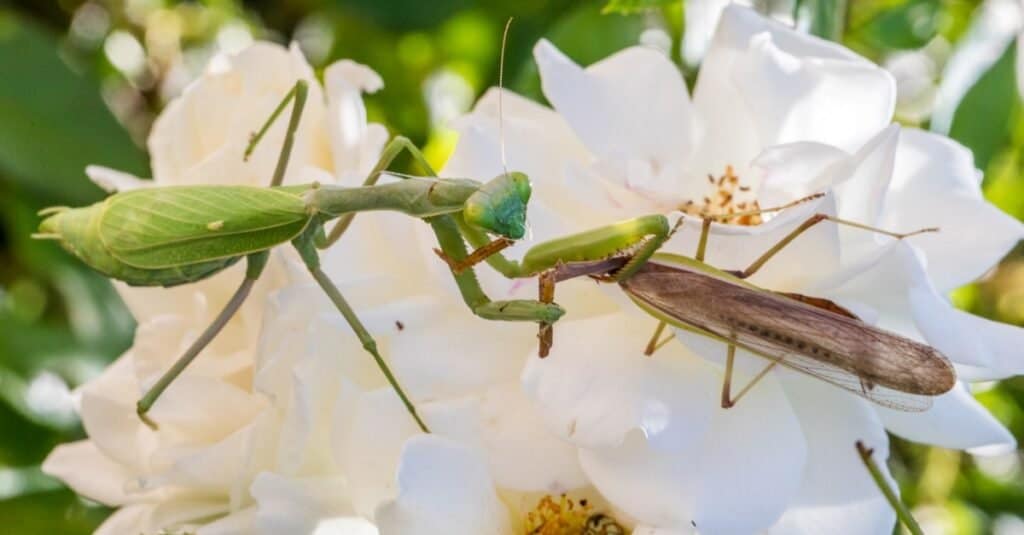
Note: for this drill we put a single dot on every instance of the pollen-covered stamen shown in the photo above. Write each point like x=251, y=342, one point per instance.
x=727, y=195
x=566, y=516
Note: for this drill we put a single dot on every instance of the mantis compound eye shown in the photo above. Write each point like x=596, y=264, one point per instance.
x=499, y=206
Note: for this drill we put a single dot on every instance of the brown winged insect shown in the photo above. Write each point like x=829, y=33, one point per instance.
x=808, y=334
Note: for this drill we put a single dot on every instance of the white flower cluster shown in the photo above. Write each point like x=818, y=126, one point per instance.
x=285, y=426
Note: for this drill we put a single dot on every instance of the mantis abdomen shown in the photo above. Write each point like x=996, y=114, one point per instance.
x=175, y=235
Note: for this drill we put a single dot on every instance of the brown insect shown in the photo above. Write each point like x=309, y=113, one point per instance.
x=810, y=335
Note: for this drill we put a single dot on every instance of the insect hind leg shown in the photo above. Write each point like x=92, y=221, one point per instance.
x=728, y=401
x=808, y=224
x=256, y=263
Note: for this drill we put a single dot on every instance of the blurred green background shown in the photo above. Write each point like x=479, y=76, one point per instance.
x=82, y=81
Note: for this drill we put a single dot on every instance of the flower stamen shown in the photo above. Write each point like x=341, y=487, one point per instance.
x=728, y=196
x=565, y=516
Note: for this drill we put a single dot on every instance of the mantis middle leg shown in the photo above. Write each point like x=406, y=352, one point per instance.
x=307, y=250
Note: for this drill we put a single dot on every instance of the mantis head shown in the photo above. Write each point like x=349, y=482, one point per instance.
x=499, y=206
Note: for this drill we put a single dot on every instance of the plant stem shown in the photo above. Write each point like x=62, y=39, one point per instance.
x=902, y=513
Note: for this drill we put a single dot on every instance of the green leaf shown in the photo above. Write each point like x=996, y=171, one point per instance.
x=911, y=25
x=56, y=511
x=827, y=17
x=629, y=7
x=982, y=120
x=52, y=120
x=92, y=319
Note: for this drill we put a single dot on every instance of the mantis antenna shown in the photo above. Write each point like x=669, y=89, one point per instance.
x=501, y=95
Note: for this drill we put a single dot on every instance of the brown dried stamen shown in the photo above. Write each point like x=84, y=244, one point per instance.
x=728, y=195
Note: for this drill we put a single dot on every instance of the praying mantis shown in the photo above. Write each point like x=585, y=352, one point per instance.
x=165, y=236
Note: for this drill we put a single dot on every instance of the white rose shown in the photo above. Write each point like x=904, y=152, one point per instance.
x=217, y=455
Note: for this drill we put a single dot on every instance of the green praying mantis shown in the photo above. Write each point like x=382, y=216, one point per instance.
x=176, y=235
x=165, y=236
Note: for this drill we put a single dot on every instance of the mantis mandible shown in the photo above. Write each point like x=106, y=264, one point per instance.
x=165, y=236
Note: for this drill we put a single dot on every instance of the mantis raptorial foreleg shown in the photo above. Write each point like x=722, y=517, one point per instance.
x=480, y=254
x=451, y=241
x=255, y=262
x=646, y=234
x=447, y=230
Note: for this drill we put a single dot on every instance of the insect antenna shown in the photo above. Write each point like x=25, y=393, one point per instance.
x=501, y=95
x=408, y=176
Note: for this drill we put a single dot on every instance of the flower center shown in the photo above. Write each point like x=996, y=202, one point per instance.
x=565, y=516
x=727, y=195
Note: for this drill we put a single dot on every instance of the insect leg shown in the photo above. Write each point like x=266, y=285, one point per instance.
x=727, y=400
x=546, y=331
x=485, y=248
x=654, y=344
x=298, y=92
x=453, y=245
x=810, y=222
x=307, y=251
x=387, y=156
x=255, y=264
x=727, y=382
x=480, y=254
x=702, y=243
x=723, y=218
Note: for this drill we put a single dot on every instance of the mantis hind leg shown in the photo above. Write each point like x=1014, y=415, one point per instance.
x=256, y=263
x=298, y=93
